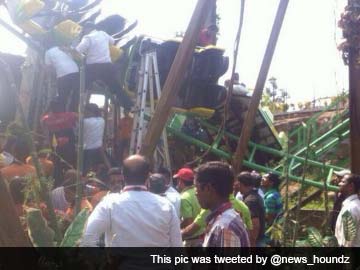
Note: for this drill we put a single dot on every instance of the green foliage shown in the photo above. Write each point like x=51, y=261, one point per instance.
x=40, y=234
x=349, y=226
x=75, y=231
x=314, y=238
x=275, y=98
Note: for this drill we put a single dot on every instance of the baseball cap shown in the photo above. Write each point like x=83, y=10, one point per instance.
x=342, y=172
x=185, y=174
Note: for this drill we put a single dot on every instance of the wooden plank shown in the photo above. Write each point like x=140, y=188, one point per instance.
x=11, y=231
x=243, y=142
x=175, y=77
x=354, y=106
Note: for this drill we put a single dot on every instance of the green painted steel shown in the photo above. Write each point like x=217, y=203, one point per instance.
x=252, y=165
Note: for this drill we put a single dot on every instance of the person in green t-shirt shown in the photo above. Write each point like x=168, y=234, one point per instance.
x=200, y=220
x=189, y=206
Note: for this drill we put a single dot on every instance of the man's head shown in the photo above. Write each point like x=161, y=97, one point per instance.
x=166, y=173
x=21, y=149
x=185, y=178
x=156, y=183
x=56, y=106
x=270, y=180
x=339, y=175
x=246, y=182
x=349, y=184
x=92, y=110
x=116, y=179
x=136, y=170
x=214, y=183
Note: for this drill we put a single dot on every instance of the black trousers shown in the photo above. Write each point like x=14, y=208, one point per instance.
x=106, y=73
x=68, y=88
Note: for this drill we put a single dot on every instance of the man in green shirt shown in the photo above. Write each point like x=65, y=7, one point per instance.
x=200, y=220
x=189, y=206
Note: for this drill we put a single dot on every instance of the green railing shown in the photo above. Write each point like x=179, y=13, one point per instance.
x=254, y=149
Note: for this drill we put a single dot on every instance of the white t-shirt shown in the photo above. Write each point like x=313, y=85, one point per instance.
x=96, y=47
x=61, y=61
x=174, y=197
x=93, y=132
x=133, y=219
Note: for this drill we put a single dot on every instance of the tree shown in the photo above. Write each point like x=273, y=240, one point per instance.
x=275, y=98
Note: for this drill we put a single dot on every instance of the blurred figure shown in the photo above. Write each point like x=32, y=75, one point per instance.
x=189, y=206
x=272, y=198
x=339, y=197
x=157, y=185
x=349, y=186
x=248, y=187
x=94, y=126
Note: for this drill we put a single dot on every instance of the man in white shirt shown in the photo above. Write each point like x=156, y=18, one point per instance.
x=95, y=45
x=156, y=184
x=94, y=126
x=350, y=212
x=67, y=74
x=135, y=217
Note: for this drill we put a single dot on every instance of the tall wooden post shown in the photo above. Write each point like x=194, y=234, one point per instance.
x=354, y=106
x=175, y=77
x=242, y=146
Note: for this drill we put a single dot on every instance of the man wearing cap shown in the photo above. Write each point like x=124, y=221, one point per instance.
x=189, y=207
x=338, y=198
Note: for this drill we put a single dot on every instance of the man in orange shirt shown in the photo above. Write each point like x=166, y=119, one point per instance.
x=124, y=135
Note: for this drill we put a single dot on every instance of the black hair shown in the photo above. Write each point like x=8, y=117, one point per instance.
x=56, y=106
x=21, y=149
x=157, y=183
x=219, y=175
x=257, y=179
x=9, y=144
x=93, y=109
x=275, y=179
x=17, y=189
x=355, y=179
x=136, y=172
x=164, y=171
x=188, y=183
x=246, y=178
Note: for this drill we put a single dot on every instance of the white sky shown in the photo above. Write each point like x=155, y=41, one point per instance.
x=306, y=61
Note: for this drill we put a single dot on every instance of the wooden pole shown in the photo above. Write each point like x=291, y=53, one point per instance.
x=11, y=231
x=354, y=106
x=242, y=145
x=175, y=77
x=80, y=148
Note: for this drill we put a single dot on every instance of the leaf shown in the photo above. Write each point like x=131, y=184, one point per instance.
x=349, y=226
x=330, y=241
x=74, y=233
x=46, y=151
x=314, y=237
x=40, y=234
x=302, y=243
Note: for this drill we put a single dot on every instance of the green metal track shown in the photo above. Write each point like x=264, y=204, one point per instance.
x=219, y=150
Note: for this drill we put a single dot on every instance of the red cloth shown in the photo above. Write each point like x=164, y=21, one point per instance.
x=59, y=121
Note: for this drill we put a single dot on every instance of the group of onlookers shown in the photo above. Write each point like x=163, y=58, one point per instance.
x=203, y=211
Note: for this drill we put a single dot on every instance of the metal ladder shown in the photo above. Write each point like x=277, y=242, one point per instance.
x=148, y=79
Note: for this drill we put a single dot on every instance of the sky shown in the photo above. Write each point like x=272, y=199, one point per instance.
x=306, y=61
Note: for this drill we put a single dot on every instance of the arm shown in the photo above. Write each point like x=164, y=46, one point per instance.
x=254, y=232
x=84, y=45
x=97, y=224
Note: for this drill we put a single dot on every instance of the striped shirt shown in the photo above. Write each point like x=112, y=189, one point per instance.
x=225, y=229
x=273, y=202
